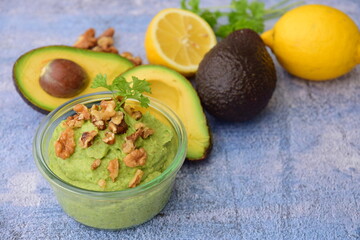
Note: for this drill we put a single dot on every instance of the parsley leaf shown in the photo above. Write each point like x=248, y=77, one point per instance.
x=239, y=14
x=100, y=81
x=124, y=89
x=141, y=85
x=211, y=17
x=194, y=6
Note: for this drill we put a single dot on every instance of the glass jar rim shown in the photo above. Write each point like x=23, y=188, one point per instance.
x=172, y=169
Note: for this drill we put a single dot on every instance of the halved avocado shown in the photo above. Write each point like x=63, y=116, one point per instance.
x=27, y=70
x=176, y=92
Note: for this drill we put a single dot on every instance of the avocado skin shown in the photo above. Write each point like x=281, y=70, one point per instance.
x=237, y=77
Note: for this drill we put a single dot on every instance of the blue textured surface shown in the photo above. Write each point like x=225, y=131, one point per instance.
x=291, y=173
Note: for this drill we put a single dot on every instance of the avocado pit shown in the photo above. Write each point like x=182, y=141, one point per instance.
x=63, y=78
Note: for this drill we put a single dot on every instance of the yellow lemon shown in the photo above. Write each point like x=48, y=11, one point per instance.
x=315, y=42
x=178, y=39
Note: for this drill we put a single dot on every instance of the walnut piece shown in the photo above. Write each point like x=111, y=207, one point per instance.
x=73, y=122
x=141, y=131
x=95, y=164
x=102, y=183
x=132, y=112
x=110, y=49
x=113, y=169
x=107, y=109
x=65, y=145
x=96, y=117
x=105, y=44
x=83, y=111
x=97, y=49
x=109, y=138
x=77, y=120
x=135, y=60
x=120, y=128
x=128, y=146
x=87, y=40
x=87, y=139
x=136, y=179
x=136, y=158
x=145, y=132
x=134, y=136
x=117, y=118
x=108, y=33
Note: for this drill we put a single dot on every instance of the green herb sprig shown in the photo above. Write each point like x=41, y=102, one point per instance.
x=121, y=87
x=240, y=14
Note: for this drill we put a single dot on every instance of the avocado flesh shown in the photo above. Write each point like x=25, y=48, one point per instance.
x=27, y=71
x=237, y=77
x=175, y=91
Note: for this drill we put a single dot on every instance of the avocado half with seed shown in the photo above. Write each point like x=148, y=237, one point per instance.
x=175, y=91
x=33, y=65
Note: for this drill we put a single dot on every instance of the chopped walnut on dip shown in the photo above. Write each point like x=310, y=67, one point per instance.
x=65, y=145
x=87, y=139
x=136, y=179
x=113, y=147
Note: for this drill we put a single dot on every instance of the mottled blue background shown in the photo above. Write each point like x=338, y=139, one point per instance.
x=291, y=173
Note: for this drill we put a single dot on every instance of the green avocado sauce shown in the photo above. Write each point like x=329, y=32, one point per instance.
x=76, y=170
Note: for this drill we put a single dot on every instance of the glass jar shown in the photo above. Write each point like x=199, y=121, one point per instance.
x=112, y=209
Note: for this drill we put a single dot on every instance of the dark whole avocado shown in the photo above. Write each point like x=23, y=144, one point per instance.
x=237, y=77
